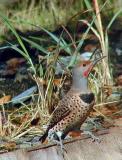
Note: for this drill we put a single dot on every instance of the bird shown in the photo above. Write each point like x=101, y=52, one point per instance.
x=74, y=108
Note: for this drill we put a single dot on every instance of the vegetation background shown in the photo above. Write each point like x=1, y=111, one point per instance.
x=51, y=13
x=50, y=19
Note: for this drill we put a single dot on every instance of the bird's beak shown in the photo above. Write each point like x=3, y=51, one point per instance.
x=91, y=66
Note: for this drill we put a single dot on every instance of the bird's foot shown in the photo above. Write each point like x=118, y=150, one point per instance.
x=94, y=138
x=60, y=144
x=56, y=138
x=62, y=147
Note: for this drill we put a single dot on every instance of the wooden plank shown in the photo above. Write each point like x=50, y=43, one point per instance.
x=46, y=154
x=16, y=155
x=43, y=146
x=110, y=148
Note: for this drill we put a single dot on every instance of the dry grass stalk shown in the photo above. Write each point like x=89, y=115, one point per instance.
x=104, y=47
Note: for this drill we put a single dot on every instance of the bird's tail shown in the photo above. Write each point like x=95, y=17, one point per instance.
x=43, y=138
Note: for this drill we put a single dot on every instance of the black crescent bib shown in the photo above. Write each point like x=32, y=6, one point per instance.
x=87, y=98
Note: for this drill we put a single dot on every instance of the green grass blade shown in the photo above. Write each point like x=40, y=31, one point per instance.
x=58, y=40
x=66, y=46
x=92, y=28
x=24, y=52
x=54, y=37
x=113, y=19
x=34, y=44
x=88, y=4
x=10, y=26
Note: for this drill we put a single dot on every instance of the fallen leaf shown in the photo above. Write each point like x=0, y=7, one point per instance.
x=108, y=110
x=10, y=146
x=57, y=81
x=15, y=62
x=5, y=99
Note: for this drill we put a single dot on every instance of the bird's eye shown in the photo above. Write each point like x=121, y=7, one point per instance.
x=84, y=64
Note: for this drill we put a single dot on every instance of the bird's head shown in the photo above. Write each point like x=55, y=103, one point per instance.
x=85, y=66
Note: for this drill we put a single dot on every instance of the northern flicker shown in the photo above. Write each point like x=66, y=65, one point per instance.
x=75, y=106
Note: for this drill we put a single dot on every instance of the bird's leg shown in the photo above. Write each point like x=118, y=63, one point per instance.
x=58, y=140
x=61, y=145
x=59, y=135
x=94, y=138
